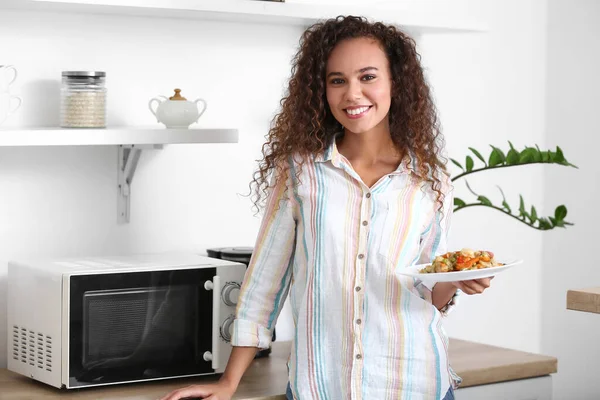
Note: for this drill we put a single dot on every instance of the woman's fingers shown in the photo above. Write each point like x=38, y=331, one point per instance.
x=475, y=286
x=470, y=287
x=218, y=391
x=190, y=391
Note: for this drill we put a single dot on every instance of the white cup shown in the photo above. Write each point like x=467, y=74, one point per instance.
x=8, y=105
x=8, y=74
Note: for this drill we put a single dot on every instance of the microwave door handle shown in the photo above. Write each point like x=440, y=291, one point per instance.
x=216, y=323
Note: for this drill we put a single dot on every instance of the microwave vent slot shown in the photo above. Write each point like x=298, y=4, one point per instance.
x=32, y=348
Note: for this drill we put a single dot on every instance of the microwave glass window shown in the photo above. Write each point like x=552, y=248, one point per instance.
x=140, y=325
x=117, y=322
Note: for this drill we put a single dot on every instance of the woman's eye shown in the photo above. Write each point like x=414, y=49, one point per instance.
x=337, y=81
x=368, y=77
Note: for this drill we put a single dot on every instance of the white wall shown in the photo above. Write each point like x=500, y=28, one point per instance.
x=569, y=259
x=489, y=86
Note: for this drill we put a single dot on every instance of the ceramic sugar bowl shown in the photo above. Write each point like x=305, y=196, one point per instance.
x=177, y=111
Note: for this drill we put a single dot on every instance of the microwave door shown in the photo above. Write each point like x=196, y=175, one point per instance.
x=149, y=325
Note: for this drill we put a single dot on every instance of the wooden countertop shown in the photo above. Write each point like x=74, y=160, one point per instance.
x=584, y=300
x=266, y=379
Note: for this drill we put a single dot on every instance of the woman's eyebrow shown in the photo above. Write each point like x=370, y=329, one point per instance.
x=360, y=71
x=365, y=69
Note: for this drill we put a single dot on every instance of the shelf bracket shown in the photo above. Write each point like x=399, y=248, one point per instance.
x=129, y=155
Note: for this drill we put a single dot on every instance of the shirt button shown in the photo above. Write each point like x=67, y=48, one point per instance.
x=358, y=356
x=361, y=256
x=365, y=223
x=359, y=321
x=368, y=195
x=358, y=288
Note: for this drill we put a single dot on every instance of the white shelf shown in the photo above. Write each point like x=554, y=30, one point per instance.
x=113, y=136
x=416, y=16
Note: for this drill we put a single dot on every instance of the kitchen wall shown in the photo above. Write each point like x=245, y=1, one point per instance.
x=573, y=61
x=490, y=88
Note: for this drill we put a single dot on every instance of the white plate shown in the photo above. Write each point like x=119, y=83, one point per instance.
x=413, y=271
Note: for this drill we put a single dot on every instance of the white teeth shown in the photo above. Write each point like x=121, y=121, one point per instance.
x=357, y=111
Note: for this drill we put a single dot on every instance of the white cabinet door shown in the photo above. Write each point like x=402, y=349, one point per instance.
x=523, y=389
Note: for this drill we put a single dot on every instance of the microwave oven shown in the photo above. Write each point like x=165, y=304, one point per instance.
x=92, y=321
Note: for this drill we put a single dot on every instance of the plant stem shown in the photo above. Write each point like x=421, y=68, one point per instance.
x=507, y=213
x=496, y=167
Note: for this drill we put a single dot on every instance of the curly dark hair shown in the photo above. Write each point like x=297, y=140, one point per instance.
x=305, y=125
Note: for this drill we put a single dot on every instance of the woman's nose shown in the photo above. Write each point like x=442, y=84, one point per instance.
x=354, y=91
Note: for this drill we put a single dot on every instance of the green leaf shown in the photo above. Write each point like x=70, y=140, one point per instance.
x=501, y=192
x=496, y=157
x=470, y=190
x=469, y=164
x=548, y=156
x=457, y=163
x=504, y=203
x=484, y=200
x=522, y=211
x=511, y=145
x=558, y=223
x=500, y=152
x=512, y=157
x=533, y=214
x=544, y=224
x=528, y=155
x=559, y=157
x=478, y=155
x=459, y=202
x=544, y=155
x=560, y=213
x=540, y=152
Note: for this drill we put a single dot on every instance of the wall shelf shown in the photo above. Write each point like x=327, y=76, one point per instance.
x=417, y=16
x=113, y=136
x=587, y=300
x=131, y=142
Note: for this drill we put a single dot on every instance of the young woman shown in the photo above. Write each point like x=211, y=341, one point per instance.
x=355, y=189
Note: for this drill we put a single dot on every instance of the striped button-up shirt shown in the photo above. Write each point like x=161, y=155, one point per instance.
x=362, y=331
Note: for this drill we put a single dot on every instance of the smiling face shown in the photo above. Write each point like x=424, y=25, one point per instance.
x=358, y=85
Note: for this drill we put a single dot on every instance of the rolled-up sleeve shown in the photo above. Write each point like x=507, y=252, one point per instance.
x=434, y=242
x=268, y=277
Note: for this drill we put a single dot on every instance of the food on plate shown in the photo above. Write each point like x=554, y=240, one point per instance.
x=463, y=260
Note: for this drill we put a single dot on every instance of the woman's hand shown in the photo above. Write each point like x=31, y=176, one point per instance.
x=216, y=391
x=474, y=286
x=238, y=363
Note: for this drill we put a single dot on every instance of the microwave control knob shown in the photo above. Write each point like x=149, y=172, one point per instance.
x=207, y=356
x=230, y=293
x=226, y=328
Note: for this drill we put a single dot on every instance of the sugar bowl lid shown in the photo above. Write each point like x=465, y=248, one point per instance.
x=177, y=95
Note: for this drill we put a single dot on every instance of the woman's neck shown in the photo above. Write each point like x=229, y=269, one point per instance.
x=368, y=148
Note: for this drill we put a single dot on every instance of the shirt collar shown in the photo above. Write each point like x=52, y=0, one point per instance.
x=331, y=153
